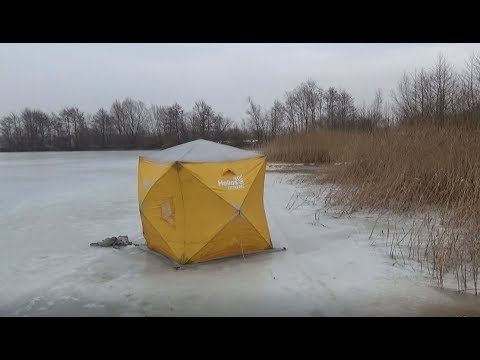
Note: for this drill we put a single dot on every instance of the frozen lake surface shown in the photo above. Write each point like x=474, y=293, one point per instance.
x=53, y=205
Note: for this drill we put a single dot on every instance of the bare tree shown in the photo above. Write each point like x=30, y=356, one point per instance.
x=276, y=118
x=429, y=95
x=11, y=130
x=136, y=115
x=30, y=129
x=388, y=119
x=310, y=94
x=131, y=118
x=220, y=124
x=119, y=117
x=36, y=128
x=304, y=104
x=444, y=83
x=469, y=95
x=159, y=118
x=174, y=127
x=102, y=123
x=319, y=105
x=376, y=108
x=331, y=103
x=291, y=112
x=414, y=98
x=255, y=120
x=345, y=109
x=76, y=127
x=201, y=120
x=236, y=135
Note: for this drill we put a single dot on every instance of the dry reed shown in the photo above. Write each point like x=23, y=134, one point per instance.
x=431, y=174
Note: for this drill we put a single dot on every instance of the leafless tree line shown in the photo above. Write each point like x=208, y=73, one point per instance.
x=127, y=124
x=440, y=95
x=309, y=106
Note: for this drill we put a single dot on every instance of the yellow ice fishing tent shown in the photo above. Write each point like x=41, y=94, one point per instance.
x=202, y=200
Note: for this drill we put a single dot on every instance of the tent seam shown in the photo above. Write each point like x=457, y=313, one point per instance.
x=256, y=230
x=201, y=182
x=183, y=209
x=209, y=188
x=165, y=241
x=256, y=176
x=218, y=232
x=245, y=216
x=156, y=181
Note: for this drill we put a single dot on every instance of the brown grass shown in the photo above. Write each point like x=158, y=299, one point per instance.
x=429, y=173
x=312, y=147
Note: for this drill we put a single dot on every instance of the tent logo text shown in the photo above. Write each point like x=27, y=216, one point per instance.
x=234, y=184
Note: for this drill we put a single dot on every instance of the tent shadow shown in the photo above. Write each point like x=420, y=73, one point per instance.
x=221, y=260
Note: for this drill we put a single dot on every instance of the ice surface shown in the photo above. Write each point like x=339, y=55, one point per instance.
x=53, y=205
x=200, y=151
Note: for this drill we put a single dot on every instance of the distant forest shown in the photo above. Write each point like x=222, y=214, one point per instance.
x=439, y=95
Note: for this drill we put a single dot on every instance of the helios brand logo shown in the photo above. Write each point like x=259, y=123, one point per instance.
x=236, y=183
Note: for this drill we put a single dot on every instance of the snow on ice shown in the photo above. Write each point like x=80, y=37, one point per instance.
x=53, y=205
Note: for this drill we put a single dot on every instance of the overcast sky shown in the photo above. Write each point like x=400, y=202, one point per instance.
x=51, y=76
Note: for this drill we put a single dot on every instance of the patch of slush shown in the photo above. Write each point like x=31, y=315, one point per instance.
x=53, y=205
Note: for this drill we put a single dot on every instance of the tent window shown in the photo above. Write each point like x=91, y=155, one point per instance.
x=147, y=184
x=228, y=171
x=167, y=211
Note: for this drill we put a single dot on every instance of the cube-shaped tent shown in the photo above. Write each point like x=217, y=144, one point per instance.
x=202, y=200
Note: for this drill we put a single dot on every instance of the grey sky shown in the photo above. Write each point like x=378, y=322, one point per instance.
x=90, y=76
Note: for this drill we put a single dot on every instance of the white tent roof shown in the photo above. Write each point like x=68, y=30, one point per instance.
x=202, y=151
